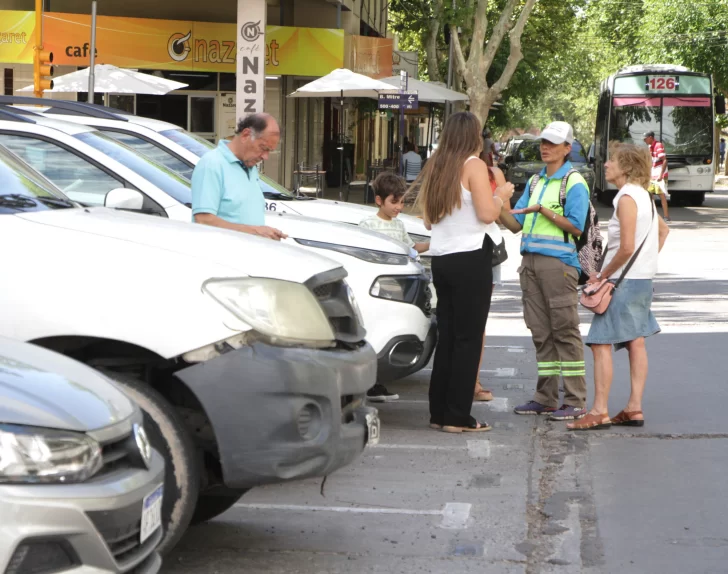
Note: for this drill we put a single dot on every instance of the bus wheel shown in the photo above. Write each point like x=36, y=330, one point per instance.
x=696, y=199
x=677, y=199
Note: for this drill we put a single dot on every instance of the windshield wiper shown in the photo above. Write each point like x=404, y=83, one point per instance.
x=277, y=195
x=17, y=201
x=56, y=201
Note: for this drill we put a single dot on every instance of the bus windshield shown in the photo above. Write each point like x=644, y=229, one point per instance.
x=683, y=125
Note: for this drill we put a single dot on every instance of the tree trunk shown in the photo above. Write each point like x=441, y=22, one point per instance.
x=433, y=29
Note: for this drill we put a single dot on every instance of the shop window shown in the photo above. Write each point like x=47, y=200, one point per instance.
x=8, y=82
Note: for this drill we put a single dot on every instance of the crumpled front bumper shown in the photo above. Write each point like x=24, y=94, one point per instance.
x=281, y=414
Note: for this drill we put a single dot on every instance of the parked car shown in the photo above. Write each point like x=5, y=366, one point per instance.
x=391, y=288
x=179, y=151
x=247, y=356
x=81, y=489
x=522, y=159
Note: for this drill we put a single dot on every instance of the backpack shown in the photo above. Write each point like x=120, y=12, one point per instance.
x=589, y=243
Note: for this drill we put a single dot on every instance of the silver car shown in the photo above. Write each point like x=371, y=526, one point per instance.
x=80, y=486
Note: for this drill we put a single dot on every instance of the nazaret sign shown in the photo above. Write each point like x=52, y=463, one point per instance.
x=250, y=65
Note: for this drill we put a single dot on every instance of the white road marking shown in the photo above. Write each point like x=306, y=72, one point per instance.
x=478, y=448
x=498, y=404
x=511, y=348
x=417, y=446
x=455, y=515
x=498, y=372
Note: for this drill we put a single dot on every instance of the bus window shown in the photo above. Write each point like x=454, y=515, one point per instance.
x=687, y=126
x=633, y=117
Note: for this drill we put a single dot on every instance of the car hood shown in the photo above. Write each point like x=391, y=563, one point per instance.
x=44, y=389
x=344, y=212
x=299, y=227
x=246, y=254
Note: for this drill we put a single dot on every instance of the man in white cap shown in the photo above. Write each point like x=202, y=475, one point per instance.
x=549, y=274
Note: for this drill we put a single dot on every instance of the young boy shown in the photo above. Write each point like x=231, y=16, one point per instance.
x=389, y=190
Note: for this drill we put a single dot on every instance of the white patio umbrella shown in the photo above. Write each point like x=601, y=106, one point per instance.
x=428, y=91
x=342, y=83
x=111, y=79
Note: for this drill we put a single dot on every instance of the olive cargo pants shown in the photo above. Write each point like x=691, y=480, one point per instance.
x=550, y=300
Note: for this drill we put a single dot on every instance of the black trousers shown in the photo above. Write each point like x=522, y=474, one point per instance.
x=464, y=284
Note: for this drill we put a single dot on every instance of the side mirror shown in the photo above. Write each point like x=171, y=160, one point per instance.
x=508, y=160
x=123, y=198
x=720, y=104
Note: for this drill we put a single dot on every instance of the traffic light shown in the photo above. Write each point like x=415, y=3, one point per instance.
x=41, y=68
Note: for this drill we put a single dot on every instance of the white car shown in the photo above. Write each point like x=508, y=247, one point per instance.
x=179, y=150
x=391, y=288
x=247, y=356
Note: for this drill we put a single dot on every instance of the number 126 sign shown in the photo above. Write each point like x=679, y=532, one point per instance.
x=662, y=83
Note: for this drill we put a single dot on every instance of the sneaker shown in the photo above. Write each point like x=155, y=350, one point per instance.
x=668, y=220
x=568, y=413
x=379, y=394
x=534, y=408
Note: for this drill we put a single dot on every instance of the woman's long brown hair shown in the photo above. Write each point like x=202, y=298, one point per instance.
x=439, y=179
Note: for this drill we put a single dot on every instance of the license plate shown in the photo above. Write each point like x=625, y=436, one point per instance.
x=372, y=429
x=151, y=513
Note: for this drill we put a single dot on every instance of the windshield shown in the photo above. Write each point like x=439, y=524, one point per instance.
x=273, y=190
x=687, y=126
x=683, y=125
x=23, y=189
x=157, y=174
x=153, y=151
x=190, y=142
x=529, y=151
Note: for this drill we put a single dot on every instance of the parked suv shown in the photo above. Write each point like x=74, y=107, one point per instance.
x=523, y=159
x=247, y=356
x=81, y=489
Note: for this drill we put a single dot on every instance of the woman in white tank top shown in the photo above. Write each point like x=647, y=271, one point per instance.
x=460, y=208
x=628, y=319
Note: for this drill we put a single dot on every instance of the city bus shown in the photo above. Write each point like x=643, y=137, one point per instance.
x=678, y=106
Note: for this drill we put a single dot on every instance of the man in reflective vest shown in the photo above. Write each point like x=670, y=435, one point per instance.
x=549, y=274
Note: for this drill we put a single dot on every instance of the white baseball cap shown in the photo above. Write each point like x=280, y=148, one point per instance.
x=558, y=132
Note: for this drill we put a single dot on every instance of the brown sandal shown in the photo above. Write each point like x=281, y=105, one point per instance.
x=481, y=394
x=591, y=422
x=626, y=418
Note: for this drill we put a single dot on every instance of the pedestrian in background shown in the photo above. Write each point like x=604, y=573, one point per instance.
x=489, y=154
x=225, y=183
x=721, y=150
x=460, y=208
x=549, y=274
x=635, y=237
x=659, y=171
x=412, y=163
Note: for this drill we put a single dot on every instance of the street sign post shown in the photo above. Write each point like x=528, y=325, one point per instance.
x=398, y=100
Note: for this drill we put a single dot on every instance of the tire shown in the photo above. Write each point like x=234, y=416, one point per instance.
x=168, y=434
x=696, y=199
x=209, y=506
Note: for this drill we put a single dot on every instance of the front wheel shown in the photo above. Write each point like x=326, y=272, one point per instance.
x=696, y=199
x=209, y=506
x=168, y=434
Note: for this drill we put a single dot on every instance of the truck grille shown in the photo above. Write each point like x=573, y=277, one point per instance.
x=332, y=292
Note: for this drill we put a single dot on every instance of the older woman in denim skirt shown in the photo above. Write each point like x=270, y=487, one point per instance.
x=628, y=319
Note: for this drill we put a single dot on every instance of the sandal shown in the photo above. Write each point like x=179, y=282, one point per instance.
x=435, y=426
x=591, y=422
x=481, y=394
x=626, y=418
x=475, y=426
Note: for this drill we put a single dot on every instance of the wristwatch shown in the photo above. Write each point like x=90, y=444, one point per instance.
x=599, y=275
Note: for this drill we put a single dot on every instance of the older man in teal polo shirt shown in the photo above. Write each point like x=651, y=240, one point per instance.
x=225, y=183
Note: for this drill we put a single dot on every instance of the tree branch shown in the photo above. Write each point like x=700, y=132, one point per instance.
x=516, y=54
x=457, y=51
x=433, y=29
x=480, y=27
x=499, y=32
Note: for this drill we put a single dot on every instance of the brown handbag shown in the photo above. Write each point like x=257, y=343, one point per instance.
x=597, y=296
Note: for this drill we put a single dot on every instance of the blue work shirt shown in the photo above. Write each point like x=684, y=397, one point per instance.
x=223, y=186
x=576, y=209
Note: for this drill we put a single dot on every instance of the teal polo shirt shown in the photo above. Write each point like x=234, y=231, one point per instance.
x=221, y=185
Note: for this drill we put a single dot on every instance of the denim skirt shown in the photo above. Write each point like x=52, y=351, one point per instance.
x=628, y=317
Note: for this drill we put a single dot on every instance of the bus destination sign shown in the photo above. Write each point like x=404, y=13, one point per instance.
x=665, y=84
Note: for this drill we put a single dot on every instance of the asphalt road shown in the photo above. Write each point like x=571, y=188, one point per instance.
x=527, y=497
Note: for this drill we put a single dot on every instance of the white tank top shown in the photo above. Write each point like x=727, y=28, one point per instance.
x=462, y=230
